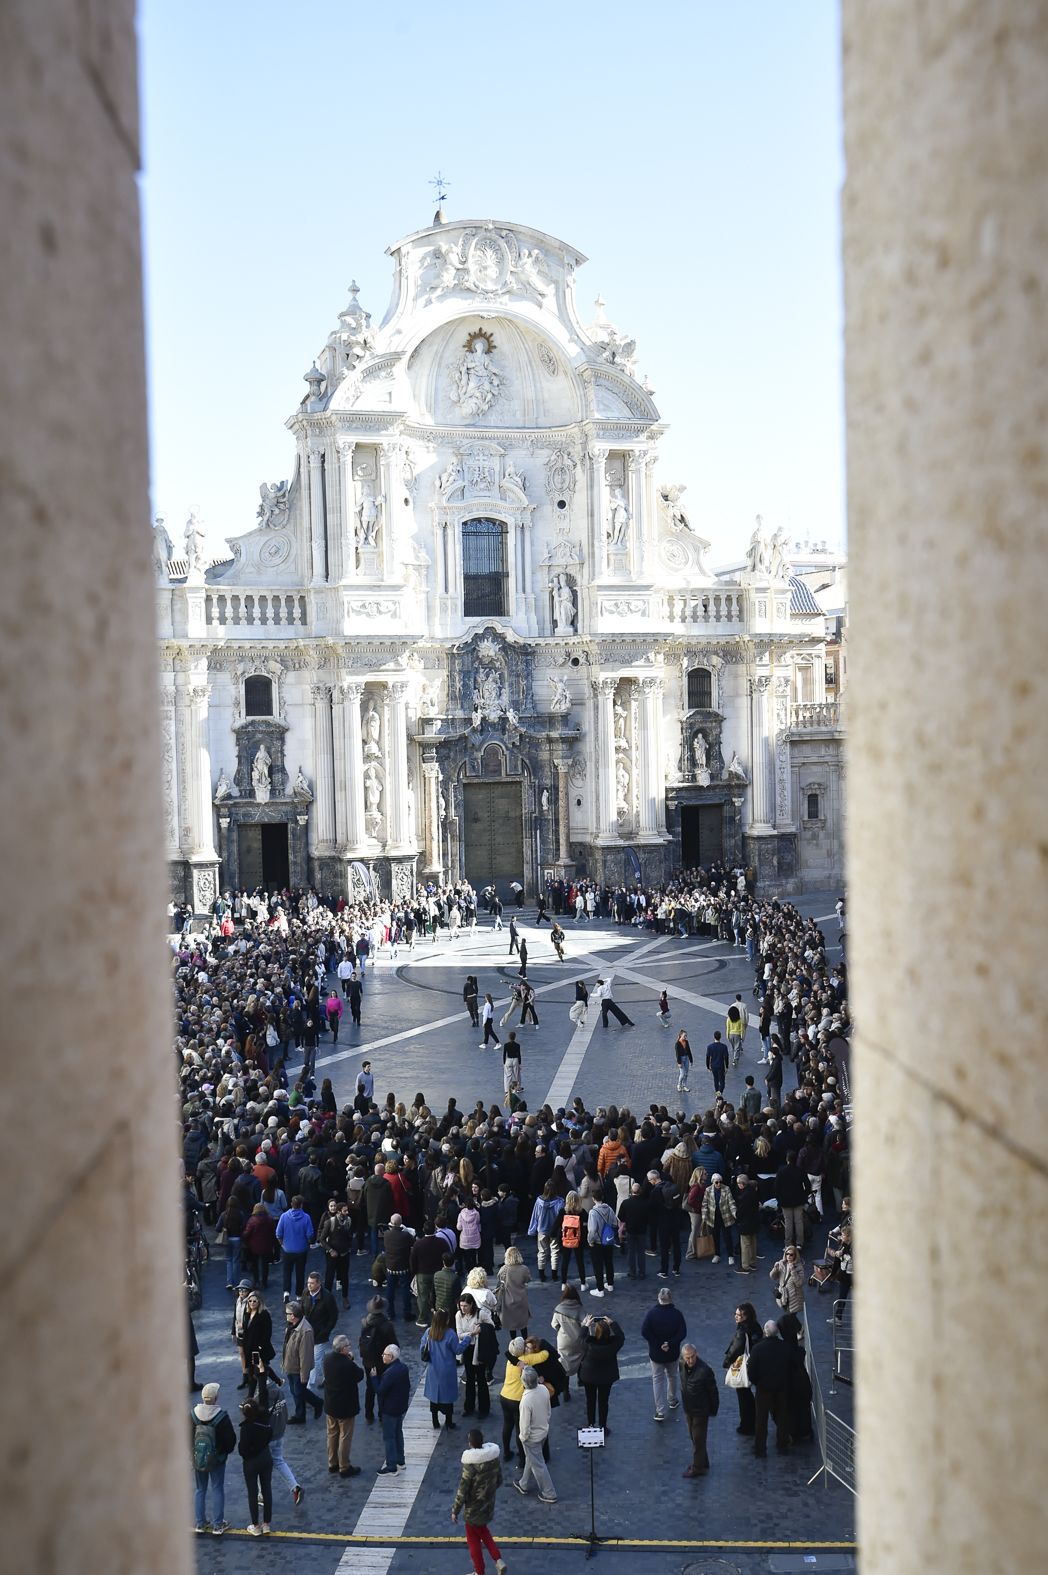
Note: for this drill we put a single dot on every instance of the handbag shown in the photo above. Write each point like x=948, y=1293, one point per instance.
x=221, y=1237
x=704, y=1247
x=738, y=1376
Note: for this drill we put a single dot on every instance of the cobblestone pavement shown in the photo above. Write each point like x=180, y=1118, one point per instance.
x=417, y=1036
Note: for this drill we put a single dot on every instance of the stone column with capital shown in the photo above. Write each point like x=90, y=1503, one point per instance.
x=607, y=813
x=317, y=524
x=397, y=776
x=434, y=827
x=324, y=786
x=564, y=858
x=348, y=534
x=635, y=492
x=599, y=508
x=760, y=786
x=781, y=755
x=352, y=834
x=649, y=762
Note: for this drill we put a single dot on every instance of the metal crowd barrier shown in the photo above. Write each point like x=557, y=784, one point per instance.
x=843, y=1342
x=836, y=1438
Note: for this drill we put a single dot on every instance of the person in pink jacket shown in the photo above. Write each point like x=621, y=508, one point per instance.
x=469, y=1233
x=333, y=1009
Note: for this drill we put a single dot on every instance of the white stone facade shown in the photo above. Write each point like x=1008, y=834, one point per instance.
x=459, y=638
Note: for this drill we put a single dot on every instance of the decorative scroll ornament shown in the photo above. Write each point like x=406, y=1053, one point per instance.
x=486, y=262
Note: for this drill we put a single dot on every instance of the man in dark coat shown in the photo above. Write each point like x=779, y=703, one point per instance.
x=376, y=1332
x=321, y=1308
x=342, y=1379
x=770, y=1371
x=701, y=1400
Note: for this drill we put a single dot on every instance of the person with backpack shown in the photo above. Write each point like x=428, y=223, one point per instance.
x=255, y=1435
x=571, y=1237
x=213, y=1441
x=602, y=1235
x=276, y=1413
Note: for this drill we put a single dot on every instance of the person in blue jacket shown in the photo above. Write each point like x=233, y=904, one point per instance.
x=393, y=1390
x=717, y=1061
x=294, y=1233
x=439, y=1347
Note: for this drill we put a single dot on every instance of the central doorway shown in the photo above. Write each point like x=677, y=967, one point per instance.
x=701, y=834
x=263, y=856
x=494, y=834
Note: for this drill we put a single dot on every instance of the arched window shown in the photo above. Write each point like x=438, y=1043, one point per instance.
x=700, y=689
x=258, y=696
x=484, y=577
x=492, y=762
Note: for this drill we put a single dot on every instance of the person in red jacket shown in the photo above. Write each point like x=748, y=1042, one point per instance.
x=258, y=1244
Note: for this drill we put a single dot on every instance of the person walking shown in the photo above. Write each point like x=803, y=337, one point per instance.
x=735, y=1025
x=297, y=1362
x=511, y=1063
x=475, y=1497
x=335, y=1237
x=770, y=1368
x=393, y=1390
x=747, y=1334
x=532, y=1431
x=333, y=1012
x=342, y=1379
x=471, y=994
x=527, y=1008
x=685, y=1061
x=608, y=1004
x=558, y=938
x=514, y=935
x=567, y=1325
x=701, y=1398
x=717, y=1061
x=789, y=1276
x=664, y=1328
x=214, y=1440
x=257, y=1343
x=488, y=1018
x=599, y=1368
x=294, y=1233
x=718, y=1217
x=376, y=1333
x=257, y=1462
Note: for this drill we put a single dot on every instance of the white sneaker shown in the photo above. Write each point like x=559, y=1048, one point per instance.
x=609, y=1288
x=596, y=1293
x=254, y=1531
x=731, y=1260
x=715, y=1258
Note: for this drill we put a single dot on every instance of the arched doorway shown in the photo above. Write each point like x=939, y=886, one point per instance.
x=493, y=825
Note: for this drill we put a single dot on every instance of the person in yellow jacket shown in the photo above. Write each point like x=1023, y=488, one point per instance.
x=735, y=1025
x=512, y=1392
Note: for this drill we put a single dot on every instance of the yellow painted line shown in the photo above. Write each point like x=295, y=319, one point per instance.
x=556, y=1542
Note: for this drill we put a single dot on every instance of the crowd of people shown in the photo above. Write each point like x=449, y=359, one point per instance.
x=425, y=1210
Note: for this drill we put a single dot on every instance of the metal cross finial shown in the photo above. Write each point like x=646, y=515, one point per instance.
x=440, y=185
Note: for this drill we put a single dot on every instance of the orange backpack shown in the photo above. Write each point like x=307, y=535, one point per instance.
x=570, y=1231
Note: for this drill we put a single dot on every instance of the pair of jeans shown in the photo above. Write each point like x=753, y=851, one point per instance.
x=399, y=1280
x=232, y=1260
x=477, y=1398
x=669, y=1238
x=535, y=1466
x=603, y=1263
x=295, y=1265
x=338, y=1269
x=597, y=1396
x=635, y=1256
x=316, y=1377
x=276, y=1450
x=723, y=1234
x=215, y=1479
x=665, y=1383
x=300, y=1393
x=477, y=1539
x=393, y=1439
x=258, y=1476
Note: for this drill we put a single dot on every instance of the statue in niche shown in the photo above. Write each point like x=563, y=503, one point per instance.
x=563, y=605
x=619, y=526
x=272, y=512
x=442, y=805
x=544, y=801
x=369, y=516
x=561, y=697
x=372, y=790
x=261, y=779
x=779, y=556
x=700, y=757
x=452, y=478
x=475, y=383
x=370, y=727
x=736, y=771
x=622, y=788
x=195, y=543
x=513, y=478
x=223, y=787
x=757, y=553
x=620, y=724
x=301, y=788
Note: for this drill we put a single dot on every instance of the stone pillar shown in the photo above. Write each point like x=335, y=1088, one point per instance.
x=945, y=247
x=354, y=833
x=348, y=538
x=651, y=778
x=397, y=774
x=607, y=817
x=324, y=797
x=599, y=508
x=637, y=502
x=100, y=1478
x=781, y=755
x=760, y=763
x=315, y=460
x=389, y=490
x=564, y=858
x=434, y=828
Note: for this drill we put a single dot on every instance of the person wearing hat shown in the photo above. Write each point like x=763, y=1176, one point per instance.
x=213, y=1440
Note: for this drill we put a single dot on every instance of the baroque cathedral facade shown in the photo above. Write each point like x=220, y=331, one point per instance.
x=475, y=633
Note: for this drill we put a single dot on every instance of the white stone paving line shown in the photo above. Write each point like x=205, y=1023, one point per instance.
x=388, y=1507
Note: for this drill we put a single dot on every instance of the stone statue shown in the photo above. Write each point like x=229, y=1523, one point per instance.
x=273, y=509
x=619, y=527
x=260, y=774
x=372, y=790
x=442, y=805
x=622, y=788
x=544, y=801
x=370, y=728
x=561, y=697
x=671, y=496
x=736, y=771
x=369, y=516
x=620, y=724
x=475, y=384
x=757, y=551
x=779, y=556
x=563, y=605
x=699, y=754
x=300, y=787
x=513, y=478
x=223, y=787
x=195, y=544
x=452, y=478
x=163, y=551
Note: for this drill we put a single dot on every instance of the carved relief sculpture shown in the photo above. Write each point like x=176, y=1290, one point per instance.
x=561, y=701
x=223, y=787
x=475, y=383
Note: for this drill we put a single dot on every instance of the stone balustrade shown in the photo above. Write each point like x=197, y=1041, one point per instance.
x=811, y=714
x=705, y=607
x=276, y=610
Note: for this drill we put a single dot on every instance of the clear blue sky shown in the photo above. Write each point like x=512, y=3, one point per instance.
x=690, y=148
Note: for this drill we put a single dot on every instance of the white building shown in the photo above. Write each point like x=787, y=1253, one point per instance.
x=475, y=633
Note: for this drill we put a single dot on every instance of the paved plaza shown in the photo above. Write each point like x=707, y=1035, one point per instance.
x=747, y=1512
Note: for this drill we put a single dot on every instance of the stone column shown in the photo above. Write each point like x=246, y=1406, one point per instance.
x=397, y=774
x=324, y=796
x=352, y=767
x=348, y=540
x=315, y=461
x=564, y=813
x=434, y=828
x=389, y=489
x=599, y=508
x=945, y=247
x=781, y=756
x=638, y=508
x=607, y=818
x=99, y=1479
x=760, y=767
x=652, y=785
